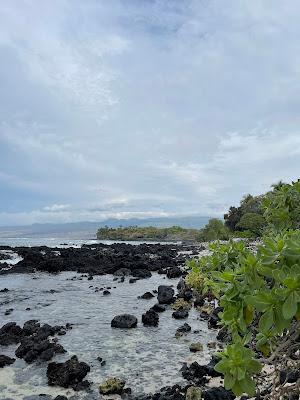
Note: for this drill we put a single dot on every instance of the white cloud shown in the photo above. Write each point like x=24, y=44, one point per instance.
x=145, y=107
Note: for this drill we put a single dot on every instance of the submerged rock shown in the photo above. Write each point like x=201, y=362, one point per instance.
x=112, y=386
x=68, y=374
x=180, y=314
x=124, y=321
x=5, y=360
x=194, y=347
x=165, y=294
x=183, y=329
x=150, y=318
x=158, y=307
x=147, y=296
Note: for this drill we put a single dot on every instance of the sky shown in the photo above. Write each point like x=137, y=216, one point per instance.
x=140, y=108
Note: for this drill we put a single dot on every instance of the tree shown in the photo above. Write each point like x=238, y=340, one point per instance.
x=214, y=230
x=252, y=222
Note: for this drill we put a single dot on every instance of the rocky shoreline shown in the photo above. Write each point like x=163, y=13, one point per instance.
x=100, y=259
x=38, y=342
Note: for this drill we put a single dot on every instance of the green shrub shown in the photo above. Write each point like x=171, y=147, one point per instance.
x=252, y=222
x=260, y=296
x=214, y=230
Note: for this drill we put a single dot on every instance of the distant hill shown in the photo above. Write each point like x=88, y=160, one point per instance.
x=88, y=230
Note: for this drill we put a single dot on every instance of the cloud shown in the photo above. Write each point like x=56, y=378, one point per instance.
x=144, y=107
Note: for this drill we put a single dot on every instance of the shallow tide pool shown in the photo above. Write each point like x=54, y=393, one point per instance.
x=146, y=357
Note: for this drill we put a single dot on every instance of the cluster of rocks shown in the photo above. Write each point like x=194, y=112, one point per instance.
x=38, y=342
x=101, y=259
x=33, y=339
x=69, y=374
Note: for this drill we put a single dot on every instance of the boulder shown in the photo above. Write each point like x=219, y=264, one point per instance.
x=158, y=307
x=68, y=374
x=5, y=360
x=150, y=318
x=30, y=327
x=112, y=386
x=180, y=314
x=174, y=272
x=10, y=333
x=124, y=321
x=165, y=294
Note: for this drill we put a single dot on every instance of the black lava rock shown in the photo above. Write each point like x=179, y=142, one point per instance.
x=124, y=321
x=180, y=314
x=147, y=296
x=218, y=393
x=174, y=272
x=10, y=333
x=150, y=318
x=5, y=360
x=68, y=374
x=158, y=307
x=165, y=294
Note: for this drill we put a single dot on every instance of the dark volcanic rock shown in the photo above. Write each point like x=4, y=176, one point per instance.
x=30, y=327
x=214, y=318
x=184, y=290
x=197, y=373
x=141, y=273
x=122, y=272
x=10, y=333
x=218, y=393
x=98, y=259
x=180, y=314
x=147, y=296
x=289, y=376
x=35, y=343
x=185, y=328
x=165, y=294
x=68, y=374
x=158, y=307
x=5, y=360
x=133, y=280
x=174, y=272
x=150, y=318
x=124, y=321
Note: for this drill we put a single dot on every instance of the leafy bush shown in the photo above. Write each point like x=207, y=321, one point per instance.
x=255, y=223
x=214, y=230
x=282, y=206
x=147, y=233
x=259, y=294
x=249, y=204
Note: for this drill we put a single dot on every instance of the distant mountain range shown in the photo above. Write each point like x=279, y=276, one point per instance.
x=87, y=230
